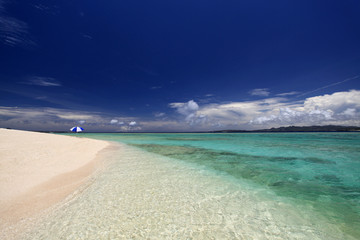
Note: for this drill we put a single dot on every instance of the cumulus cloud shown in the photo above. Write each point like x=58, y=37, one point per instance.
x=126, y=128
x=337, y=102
x=351, y=112
x=42, y=81
x=290, y=116
x=130, y=127
x=187, y=108
x=340, y=108
x=262, y=92
x=114, y=121
x=132, y=123
x=238, y=113
x=336, y=108
x=228, y=115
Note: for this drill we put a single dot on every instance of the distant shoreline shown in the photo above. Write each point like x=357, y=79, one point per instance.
x=289, y=129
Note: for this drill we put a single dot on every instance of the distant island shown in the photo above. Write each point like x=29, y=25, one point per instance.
x=328, y=128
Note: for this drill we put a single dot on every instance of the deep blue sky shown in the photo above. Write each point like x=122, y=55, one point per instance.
x=144, y=61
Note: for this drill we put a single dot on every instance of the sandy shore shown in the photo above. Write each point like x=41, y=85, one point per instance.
x=38, y=170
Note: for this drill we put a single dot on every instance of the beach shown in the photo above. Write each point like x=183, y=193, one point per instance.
x=38, y=170
x=197, y=186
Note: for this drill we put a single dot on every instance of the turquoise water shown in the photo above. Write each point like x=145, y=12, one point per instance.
x=315, y=172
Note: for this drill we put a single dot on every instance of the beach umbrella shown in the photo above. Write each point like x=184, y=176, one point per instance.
x=76, y=129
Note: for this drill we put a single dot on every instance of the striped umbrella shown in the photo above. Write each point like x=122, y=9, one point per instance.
x=76, y=129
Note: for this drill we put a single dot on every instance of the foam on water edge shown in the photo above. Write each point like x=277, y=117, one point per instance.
x=145, y=195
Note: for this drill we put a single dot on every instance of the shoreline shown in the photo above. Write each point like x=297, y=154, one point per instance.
x=147, y=196
x=140, y=194
x=39, y=170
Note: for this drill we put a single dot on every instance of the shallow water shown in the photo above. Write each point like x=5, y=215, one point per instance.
x=221, y=186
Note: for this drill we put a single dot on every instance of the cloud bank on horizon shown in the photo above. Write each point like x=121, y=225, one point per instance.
x=339, y=108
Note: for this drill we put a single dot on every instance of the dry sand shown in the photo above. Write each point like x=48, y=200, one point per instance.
x=37, y=170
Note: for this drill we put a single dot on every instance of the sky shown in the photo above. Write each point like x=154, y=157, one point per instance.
x=161, y=66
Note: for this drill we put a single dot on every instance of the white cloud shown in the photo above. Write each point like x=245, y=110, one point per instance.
x=263, y=92
x=341, y=108
x=187, y=108
x=289, y=116
x=51, y=119
x=239, y=112
x=45, y=118
x=42, y=81
x=338, y=101
x=228, y=115
x=70, y=115
x=336, y=108
x=287, y=94
x=113, y=121
x=33, y=113
x=351, y=112
x=132, y=123
x=117, y=122
x=131, y=127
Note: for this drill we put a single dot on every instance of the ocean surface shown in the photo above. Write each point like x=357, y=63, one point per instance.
x=219, y=186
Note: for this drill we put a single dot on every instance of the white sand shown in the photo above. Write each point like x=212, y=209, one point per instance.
x=141, y=195
x=38, y=170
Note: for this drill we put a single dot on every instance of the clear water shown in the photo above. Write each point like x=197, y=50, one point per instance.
x=266, y=186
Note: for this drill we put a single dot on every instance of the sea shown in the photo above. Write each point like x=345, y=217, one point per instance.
x=216, y=186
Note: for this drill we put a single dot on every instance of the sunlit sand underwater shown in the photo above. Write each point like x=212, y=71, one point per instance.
x=216, y=186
